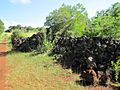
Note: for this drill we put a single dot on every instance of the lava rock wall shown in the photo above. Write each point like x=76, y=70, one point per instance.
x=28, y=44
x=81, y=53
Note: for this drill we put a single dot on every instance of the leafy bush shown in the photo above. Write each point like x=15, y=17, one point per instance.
x=116, y=67
x=47, y=46
x=17, y=34
x=106, y=23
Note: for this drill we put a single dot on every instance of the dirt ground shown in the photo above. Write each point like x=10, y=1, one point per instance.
x=3, y=68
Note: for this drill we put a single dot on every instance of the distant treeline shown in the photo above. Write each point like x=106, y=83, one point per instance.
x=24, y=29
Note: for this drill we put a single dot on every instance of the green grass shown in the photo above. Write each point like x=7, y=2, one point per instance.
x=38, y=73
x=24, y=33
x=28, y=34
x=29, y=72
x=4, y=35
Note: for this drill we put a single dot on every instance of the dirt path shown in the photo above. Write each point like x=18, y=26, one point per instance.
x=3, y=68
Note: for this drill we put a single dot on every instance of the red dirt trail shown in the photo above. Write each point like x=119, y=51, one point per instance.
x=3, y=67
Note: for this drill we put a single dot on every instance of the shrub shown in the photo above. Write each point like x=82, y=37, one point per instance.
x=116, y=67
x=17, y=34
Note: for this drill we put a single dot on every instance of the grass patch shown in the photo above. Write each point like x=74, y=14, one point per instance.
x=28, y=34
x=38, y=73
x=4, y=35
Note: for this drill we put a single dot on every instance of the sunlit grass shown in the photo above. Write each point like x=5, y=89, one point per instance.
x=4, y=35
x=38, y=73
x=28, y=34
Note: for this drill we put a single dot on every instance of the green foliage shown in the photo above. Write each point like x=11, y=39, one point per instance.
x=1, y=27
x=67, y=20
x=42, y=30
x=4, y=36
x=16, y=34
x=116, y=67
x=103, y=26
x=106, y=23
x=21, y=28
x=47, y=46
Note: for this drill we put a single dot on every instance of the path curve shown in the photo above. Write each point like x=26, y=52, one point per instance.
x=3, y=67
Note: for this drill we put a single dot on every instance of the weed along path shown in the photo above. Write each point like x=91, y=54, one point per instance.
x=3, y=68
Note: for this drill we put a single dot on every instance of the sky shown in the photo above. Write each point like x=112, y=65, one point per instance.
x=33, y=12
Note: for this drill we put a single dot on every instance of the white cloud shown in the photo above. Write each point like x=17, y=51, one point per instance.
x=20, y=1
x=14, y=23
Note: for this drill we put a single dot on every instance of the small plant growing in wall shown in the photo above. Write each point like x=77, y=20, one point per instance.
x=116, y=67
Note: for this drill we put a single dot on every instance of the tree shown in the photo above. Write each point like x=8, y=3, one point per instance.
x=29, y=28
x=21, y=28
x=67, y=20
x=1, y=26
x=107, y=22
